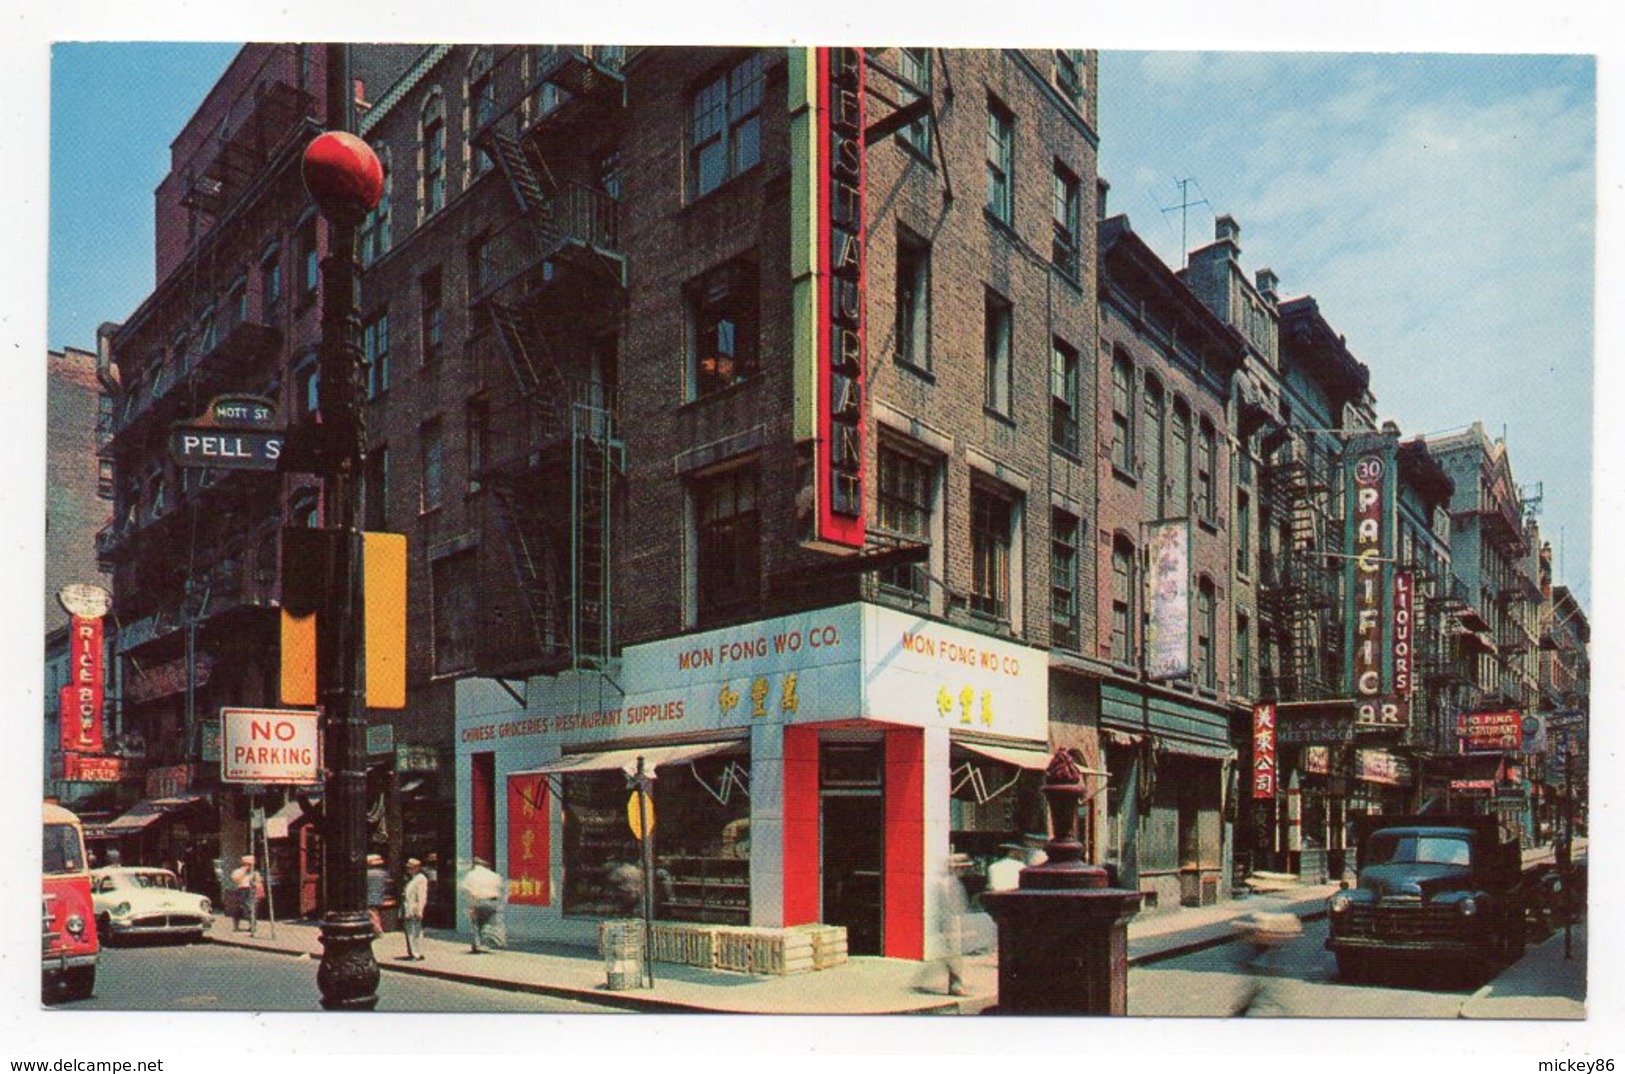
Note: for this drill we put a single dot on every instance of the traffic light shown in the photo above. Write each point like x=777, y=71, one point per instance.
x=306, y=554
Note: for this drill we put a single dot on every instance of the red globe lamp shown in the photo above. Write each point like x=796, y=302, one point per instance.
x=344, y=176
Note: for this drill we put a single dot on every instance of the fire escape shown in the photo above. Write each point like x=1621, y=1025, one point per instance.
x=549, y=286
x=1300, y=578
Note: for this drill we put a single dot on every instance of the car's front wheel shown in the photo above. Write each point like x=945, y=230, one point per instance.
x=1353, y=965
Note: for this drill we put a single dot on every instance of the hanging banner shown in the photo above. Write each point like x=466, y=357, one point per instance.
x=529, y=841
x=1168, y=599
x=1265, y=770
x=81, y=699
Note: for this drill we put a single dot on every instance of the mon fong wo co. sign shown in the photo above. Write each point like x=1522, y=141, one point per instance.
x=270, y=746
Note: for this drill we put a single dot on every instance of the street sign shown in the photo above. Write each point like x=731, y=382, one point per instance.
x=635, y=815
x=270, y=746
x=236, y=432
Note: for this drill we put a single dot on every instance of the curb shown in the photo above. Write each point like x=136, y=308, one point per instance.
x=1150, y=957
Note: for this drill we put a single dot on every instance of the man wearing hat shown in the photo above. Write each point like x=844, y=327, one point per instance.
x=482, y=886
x=413, y=899
x=377, y=891
x=245, y=884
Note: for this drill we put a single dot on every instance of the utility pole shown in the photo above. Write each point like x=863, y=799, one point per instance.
x=344, y=177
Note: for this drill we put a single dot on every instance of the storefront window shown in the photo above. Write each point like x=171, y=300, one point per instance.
x=702, y=843
x=991, y=804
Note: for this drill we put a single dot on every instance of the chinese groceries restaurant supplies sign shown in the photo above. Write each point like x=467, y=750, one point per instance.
x=854, y=661
x=1373, y=626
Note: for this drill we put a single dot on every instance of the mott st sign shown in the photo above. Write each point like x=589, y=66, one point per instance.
x=269, y=746
x=237, y=432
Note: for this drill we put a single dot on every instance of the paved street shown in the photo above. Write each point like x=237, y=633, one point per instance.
x=210, y=977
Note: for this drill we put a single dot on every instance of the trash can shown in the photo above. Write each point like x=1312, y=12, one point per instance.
x=621, y=944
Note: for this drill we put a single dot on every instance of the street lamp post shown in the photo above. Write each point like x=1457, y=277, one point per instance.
x=345, y=179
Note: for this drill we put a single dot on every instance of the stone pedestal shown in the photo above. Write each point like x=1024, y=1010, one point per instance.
x=1063, y=934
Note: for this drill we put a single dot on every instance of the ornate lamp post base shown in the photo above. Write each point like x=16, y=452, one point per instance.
x=348, y=975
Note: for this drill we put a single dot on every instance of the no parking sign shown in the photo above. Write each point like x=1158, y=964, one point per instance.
x=269, y=746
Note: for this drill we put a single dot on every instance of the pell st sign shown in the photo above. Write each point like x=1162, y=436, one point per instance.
x=269, y=746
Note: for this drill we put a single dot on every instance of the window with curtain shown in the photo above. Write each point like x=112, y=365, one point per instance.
x=991, y=519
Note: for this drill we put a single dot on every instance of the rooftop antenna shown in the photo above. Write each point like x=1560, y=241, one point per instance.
x=1185, y=204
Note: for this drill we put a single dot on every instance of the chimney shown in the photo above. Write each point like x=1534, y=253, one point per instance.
x=1267, y=283
x=1102, y=188
x=1225, y=229
x=1390, y=427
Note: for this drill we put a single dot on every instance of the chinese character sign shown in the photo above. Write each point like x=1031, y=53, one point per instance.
x=1168, y=630
x=530, y=848
x=1265, y=769
x=81, y=699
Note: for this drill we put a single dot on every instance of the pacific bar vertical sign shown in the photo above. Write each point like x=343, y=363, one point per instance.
x=841, y=241
x=81, y=698
x=1403, y=626
x=1265, y=769
x=1368, y=515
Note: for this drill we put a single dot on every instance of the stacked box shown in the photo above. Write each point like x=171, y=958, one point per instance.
x=782, y=952
x=686, y=945
x=828, y=945
x=732, y=951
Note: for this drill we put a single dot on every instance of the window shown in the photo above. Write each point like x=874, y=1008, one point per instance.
x=1001, y=141
x=479, y=436
x=433, y=448
x=1180, y=479
x=1064, y=397
x=903, y=508
x=454, y=580
x=1153, y=456
x=1206, y=622
x=375, y=237
x=481, y=97
x=1122, y=412
x=727, y=545
x=722, y=327
x=271, y=284
x=1124, y=606
x=996, y=345
x=432, y=156
x=1207, y=465
x=914, y=67
x=1069, y=75
x=913, y=300
x=375, y=353
x=1063, y=580
x=1244, y=532
x=306, y=387
x=310, y=268
x=376, y=489
x=991, y=539
x=237, y=303
x=1067, y=213
x=725, y=126
x=482, y=266
x=433, y=316
x=1244, y=655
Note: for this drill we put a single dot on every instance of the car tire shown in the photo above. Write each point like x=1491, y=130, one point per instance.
x=70, y=985
x=104, y=930
x=1352, y=966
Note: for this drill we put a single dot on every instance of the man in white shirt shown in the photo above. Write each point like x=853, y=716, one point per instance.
x=414, y=898
x=483, y=888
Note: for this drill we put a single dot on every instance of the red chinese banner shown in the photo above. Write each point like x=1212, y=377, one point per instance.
x=1264, y=764
x=530, y=849
x=81, y=699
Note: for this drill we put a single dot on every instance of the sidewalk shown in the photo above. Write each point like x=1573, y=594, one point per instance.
x=864, y=985
x=1543, y=984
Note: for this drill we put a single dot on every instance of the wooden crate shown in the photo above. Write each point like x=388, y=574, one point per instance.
x=828, y=945
x=685, y=944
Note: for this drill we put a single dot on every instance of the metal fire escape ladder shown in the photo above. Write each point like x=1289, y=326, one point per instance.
x=527, y=528
x=593, y=467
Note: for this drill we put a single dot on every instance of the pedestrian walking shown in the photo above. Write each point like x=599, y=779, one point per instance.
x=482, y=886
x=952, y=905
x=414, y=898
x=246, y=886
x=377, y=891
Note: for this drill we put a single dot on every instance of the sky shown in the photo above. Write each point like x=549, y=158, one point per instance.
x=1440, y=208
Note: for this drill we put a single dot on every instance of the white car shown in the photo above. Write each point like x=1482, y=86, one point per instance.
x=137, y=901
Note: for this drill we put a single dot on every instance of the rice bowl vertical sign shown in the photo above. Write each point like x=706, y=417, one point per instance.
x=280, y=746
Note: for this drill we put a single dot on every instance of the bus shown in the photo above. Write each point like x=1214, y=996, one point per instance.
x=69, y=946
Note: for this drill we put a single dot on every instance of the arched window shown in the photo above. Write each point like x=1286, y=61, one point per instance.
x=1207, y=469
x=1206, y=626
x=1179, y=496
x=375, y=229
x=1124, y=606
x=1156, y=448
x=479, y=109
x=432, y=155
x=1122, y=412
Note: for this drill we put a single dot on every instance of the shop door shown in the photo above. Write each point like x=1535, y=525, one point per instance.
x=310, y=870
x=854, y=865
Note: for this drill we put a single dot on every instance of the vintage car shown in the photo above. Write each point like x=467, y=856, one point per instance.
x=137, y=901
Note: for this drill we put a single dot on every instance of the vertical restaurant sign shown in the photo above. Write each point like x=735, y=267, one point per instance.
x=841, y=238
x=1367, y=510
x=81, y=698
x=530, y=849
x=1403, y=626
x=1168, y=628
x=1265, y=770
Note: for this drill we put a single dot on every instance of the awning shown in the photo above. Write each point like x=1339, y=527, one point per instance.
x=1034, y=759
x=627, y=760
x=149, y=812
x=277, y=824
x=1207, y=751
